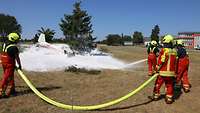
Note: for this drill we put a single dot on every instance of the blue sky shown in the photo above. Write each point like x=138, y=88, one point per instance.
x=108, y=16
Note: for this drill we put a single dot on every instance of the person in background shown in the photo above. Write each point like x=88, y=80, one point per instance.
x=152, y=57
x=166, y=68
x=9, y=55
x=182, y=67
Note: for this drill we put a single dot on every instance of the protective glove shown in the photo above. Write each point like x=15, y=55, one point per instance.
x=20, y=67
x=157, y=68
x=150, y=74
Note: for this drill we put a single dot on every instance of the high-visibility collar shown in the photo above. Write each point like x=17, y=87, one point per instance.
x=152, y=50
x=5, y=48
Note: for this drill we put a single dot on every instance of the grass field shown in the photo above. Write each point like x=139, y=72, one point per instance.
x=89, y=89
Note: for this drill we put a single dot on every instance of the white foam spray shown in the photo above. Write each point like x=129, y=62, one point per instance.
x=46, y=59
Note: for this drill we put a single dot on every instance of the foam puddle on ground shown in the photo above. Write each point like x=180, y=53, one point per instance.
x=44, y=59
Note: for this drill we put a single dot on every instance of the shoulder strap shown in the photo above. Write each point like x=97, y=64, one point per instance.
x=152, y=49
x=3, y=47
x=6, y=47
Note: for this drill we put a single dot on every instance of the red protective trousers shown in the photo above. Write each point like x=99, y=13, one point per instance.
x=7, y=83
x=8, y=79
x=168, y=84
x=152, y=62
x=182, y=72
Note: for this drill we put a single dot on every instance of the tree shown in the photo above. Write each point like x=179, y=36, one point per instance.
x=49, y=34
x=138, y=37
x=127, y=38
x=102, y=41
x=155, y=33
x=35, y=38
x=9, y=24
x=77, y=27
x=114, y=39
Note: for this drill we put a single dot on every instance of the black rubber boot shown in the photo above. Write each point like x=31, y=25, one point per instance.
x=186, y=90
x=169, y=100
x=156, y=97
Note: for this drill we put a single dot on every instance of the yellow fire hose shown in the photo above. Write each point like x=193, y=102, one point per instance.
x=90, y=107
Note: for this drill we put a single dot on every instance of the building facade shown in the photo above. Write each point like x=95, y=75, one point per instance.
x=190, y=39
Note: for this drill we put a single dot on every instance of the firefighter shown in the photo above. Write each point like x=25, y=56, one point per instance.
x=182, y=68
x=152, y=57
x=9, y=55
x=166, y=68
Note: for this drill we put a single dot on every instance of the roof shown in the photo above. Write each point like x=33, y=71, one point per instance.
x=188, y=33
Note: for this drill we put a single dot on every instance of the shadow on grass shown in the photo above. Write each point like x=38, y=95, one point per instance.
x=177, y=92
x=28, y=90
x=126, y=107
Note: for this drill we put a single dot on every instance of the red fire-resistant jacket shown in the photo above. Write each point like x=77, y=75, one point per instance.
x=5, y=58
x=167, y=62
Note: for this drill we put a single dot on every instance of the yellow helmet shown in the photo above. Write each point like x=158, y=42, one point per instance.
x=180, y=42
x=153, y=42
x=13, y=37
x=168, y=39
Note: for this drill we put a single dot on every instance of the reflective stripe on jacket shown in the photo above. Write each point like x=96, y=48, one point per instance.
x=152, y=50
x=5, y=48
x=5, y=58
x=167, y=58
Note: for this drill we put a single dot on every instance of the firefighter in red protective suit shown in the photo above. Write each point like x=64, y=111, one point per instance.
x=182, y=67
x=166, y=68
x=152, y=57
x=8, y=57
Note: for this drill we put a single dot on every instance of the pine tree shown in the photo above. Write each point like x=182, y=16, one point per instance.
x=77, y=27
x=155, y=33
